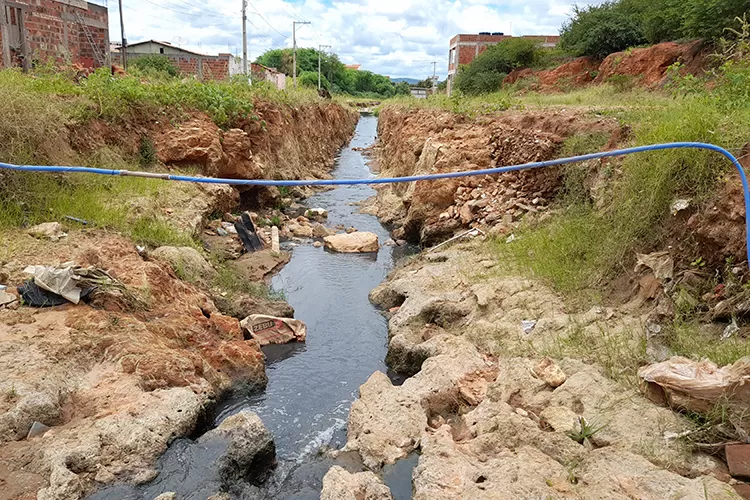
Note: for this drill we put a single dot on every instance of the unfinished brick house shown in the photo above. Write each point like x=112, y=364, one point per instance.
x=58, y=31
x=464, y=48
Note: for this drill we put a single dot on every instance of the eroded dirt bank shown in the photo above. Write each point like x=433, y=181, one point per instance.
x=117, y=379
x=425, y=141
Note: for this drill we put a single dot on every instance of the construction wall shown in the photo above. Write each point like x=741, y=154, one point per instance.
x=51, y=31
x=200, y=66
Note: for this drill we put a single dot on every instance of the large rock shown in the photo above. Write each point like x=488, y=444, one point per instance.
x=195, y=142
x=339, y=484
x=250, y=453
x=187, y=263
x=358, y=241
x=238, y=160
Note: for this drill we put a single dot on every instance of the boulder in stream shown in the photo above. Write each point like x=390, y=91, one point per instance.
x=340, y=484
x=356, y=242
x=250, y=453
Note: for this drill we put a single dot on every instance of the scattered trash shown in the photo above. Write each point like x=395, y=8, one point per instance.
x=76, y=219
x=471, y=232
x=229, y=227
x=511, y=238
x=679, y=205
x=37, y=429
x=660, y=263
x=696, y=385
x=730, y=330
x=59, y=280
x=248, y=233
x=222, y=232
x=3, y=287
x=272, y=330
x=654, y=328
x=48, y=230
x=528, y=325
x=141, y=250
x=56, y=285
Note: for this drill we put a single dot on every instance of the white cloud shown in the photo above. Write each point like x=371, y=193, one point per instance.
x=391, y=37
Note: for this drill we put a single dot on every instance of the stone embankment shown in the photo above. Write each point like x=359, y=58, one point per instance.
x=427, y=141
x=116, y=380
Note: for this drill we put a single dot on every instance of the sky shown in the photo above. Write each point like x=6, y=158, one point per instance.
x=397, y=38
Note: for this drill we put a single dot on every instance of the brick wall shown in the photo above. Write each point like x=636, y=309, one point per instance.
x=53, y=33
x=204, y=67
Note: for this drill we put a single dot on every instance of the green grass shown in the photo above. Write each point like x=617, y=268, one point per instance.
x=688, y=340
x=30, y=198
x=467, y=106
x=582, y=246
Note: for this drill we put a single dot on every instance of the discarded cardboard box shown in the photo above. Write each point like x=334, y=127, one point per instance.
x=272, y=330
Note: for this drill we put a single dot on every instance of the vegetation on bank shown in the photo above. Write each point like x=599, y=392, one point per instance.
x=613, y=26
x=39, y=110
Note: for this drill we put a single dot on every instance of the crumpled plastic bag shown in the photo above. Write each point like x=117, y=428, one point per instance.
x=660, y=263
x=61, y=280
x=272, y=330
x=696, y=385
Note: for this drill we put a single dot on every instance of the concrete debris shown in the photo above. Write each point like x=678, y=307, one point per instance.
x=548, y=371
x=339, y=484
x=356, y=242
x=275, y=239
x=48, y=230
x=7, y=299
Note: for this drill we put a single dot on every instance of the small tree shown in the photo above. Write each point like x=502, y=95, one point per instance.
x=600, y=30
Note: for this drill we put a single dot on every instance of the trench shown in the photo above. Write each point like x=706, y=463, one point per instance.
x=311, y=385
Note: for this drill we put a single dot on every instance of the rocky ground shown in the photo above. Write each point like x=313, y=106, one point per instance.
x=428, y=141
x=493, y=416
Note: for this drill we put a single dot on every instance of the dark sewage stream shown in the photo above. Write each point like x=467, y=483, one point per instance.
x=311, y=385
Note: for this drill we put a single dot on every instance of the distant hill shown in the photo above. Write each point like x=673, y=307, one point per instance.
x=410, y=81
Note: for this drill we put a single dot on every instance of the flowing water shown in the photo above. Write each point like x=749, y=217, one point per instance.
x=311, y=385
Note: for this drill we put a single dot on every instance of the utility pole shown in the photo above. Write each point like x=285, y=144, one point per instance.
x=320, y=49
x=434, y=77
x=294, y=51
x=4, y=35
x=244, y=37
x=124, y=40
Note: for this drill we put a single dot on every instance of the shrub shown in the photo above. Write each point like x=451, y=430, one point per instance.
x=485, y=73
x=599, y=30
x=155, y=62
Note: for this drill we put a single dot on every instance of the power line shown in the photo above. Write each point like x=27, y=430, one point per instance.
x=182, y=12
x=265, y=21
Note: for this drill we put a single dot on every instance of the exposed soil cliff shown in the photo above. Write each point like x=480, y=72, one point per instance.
x=430, y=141
x=116, y=380
x=645, y=66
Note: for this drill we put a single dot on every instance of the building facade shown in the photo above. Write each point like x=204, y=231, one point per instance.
x=57, y=31
x=465, y=47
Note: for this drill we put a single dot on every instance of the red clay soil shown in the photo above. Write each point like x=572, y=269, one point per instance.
x=577, y=72
x=650, y=64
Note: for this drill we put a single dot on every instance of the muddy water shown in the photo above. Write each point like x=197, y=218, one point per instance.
x=311, y=385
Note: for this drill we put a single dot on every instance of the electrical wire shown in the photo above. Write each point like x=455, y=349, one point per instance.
x=413, y=178
x=265, y=21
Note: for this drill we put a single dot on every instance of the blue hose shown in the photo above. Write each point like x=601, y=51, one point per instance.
x=389, y=180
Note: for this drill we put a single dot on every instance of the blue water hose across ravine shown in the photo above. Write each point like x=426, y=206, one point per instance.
x=428, y=177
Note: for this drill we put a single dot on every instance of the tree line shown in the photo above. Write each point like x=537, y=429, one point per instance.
x=335, y=77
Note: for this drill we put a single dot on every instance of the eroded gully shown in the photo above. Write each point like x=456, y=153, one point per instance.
x=311, y=385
